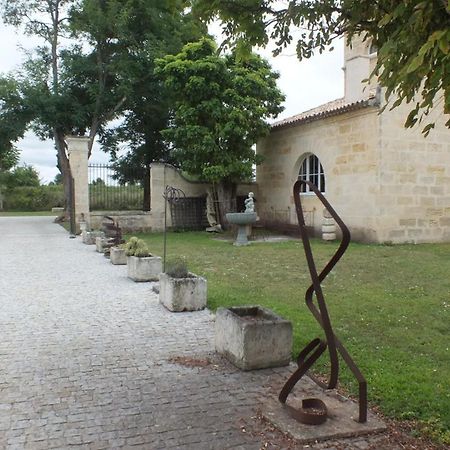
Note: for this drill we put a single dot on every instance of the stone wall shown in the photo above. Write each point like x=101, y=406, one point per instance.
x=346, y=145
x=161, y=175
x=358, y=65
x=388, y=183
x=129, y=221
x=415, y=180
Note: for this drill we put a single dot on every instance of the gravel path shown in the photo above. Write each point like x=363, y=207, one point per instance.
x=89, y=359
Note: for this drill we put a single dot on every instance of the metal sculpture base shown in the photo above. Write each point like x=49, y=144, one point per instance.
x=312, y=352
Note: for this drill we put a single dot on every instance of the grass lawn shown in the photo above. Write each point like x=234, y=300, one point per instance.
x=26, y=213
x=390, y=306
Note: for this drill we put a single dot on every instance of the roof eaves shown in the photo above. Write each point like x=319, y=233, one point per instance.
x=322, y=114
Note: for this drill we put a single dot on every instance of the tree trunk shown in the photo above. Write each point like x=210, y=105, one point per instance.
x=226, y=194
x=64, y=167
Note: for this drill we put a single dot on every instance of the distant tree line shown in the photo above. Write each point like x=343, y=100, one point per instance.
x=21, y=190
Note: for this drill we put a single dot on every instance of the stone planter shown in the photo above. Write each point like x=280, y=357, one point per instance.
x=252, y=337
x=103, y=245
x=100, y=244
x=88, y=237
x=144, y=269
x=182, y=294
x=117, y=256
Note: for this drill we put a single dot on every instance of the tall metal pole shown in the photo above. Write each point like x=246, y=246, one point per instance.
x=171, y=195
x=165, y=230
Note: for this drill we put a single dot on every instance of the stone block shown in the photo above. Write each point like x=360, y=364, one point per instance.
x=252, y=337
x=144, y=269
x=117, y=256
x=182, y=294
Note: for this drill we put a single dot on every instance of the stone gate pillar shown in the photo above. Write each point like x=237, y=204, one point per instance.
x=78, y=150
x=157, y=185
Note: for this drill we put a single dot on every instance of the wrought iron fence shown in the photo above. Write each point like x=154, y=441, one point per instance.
x=109, y=190
x=189, y=213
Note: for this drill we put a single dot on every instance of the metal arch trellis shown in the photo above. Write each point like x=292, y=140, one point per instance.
x=312, y=351
x=171, y=195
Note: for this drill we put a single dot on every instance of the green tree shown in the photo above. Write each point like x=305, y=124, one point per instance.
x=46, y=20
x=412, y=37
x=9, y=156
x=98, y=182
x=22, y=176
x=14, y=117
x=220, y=104
x=57, y=180
x=66, y=89
x=146, y=30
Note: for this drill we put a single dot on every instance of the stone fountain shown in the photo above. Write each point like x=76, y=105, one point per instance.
x=243, y=219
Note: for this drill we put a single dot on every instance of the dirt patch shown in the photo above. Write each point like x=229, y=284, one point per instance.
x=396, y=437
x=187, y=361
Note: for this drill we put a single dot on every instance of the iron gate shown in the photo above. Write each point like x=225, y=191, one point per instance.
x=111, y=190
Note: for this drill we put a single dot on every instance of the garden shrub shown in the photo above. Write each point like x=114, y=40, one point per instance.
x=33, y=198
x=177, y=268
x=137, y=247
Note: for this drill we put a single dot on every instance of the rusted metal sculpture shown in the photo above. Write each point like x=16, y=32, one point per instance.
x=314, y=411
x=113, y=233
x=171, y=195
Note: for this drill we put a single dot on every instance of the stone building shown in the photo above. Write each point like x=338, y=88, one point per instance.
x=388, y=183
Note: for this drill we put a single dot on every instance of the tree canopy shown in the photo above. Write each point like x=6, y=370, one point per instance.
x=21, y=176
x=412, y=37
x=220, y=107
x=95, y=65
x=147, y=30
x=14, y=117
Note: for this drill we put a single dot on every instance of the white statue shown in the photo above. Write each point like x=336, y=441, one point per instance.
x=249, y=203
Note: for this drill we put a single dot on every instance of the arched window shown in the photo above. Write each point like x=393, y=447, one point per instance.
x=373, y=49
x=312, y=170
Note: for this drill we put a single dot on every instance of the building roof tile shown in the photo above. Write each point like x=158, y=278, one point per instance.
x=333, y=108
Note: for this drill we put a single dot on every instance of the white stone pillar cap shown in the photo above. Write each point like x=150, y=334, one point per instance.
x=77, y=143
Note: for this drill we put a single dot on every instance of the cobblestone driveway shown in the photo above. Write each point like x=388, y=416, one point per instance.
x=87, y=356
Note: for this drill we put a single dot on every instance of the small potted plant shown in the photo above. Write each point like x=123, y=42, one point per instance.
x=181, y=290
x=141, y=264
x=117, y=255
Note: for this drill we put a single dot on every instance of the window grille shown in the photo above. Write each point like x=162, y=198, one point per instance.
x=312, y=170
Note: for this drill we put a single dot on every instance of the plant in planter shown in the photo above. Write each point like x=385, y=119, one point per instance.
x=117, y=255
x=141, y=264
x=181, y=290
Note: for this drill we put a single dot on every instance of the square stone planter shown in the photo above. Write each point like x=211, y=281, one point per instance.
x=182, y=294
x=117, y=256
x=252, y=337
x=144, y=269
x=103, y=245
x=88, y=237
x=100, y=244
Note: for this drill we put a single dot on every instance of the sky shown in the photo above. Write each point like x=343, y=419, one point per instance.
x=305, y=84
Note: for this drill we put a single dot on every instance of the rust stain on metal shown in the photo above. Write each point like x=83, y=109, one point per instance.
x=312, y=351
